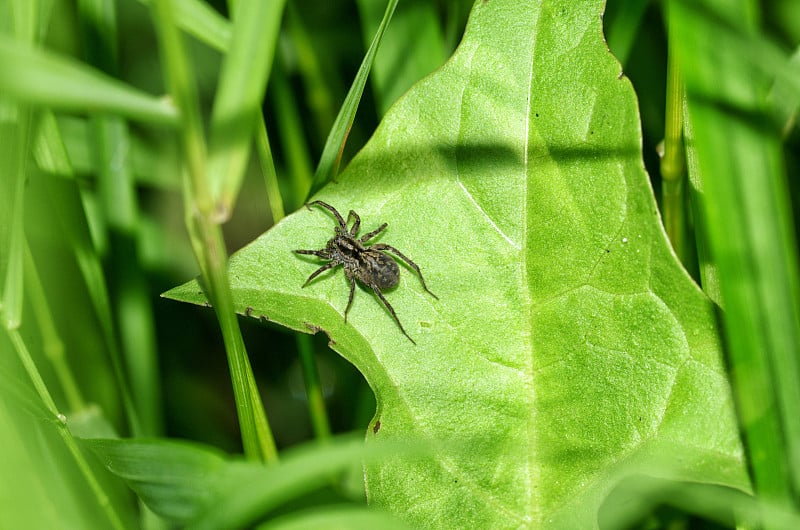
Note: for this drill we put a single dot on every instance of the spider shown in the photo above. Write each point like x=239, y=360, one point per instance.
x=367, y=264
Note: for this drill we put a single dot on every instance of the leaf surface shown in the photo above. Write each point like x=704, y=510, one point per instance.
x=568, y=346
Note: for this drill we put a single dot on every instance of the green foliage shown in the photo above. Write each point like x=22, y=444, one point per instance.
x=575, y=347
x=570, y=374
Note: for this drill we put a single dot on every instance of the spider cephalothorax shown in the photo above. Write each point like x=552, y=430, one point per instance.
x=367, y=264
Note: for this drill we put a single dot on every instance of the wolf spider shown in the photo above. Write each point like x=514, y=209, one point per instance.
x=367, y=264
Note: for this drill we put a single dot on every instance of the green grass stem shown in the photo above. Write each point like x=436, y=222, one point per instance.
x=314, y=393
x=245, y=70
x=206, y=235
x=673, y=167
x=51, y=340
x=267, y=164
x=296, y=151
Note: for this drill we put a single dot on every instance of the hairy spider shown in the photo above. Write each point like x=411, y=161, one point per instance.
x=367, y=264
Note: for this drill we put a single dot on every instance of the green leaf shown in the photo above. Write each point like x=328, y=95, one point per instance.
x=44, y=485
x=568, y=347
x=200, y=20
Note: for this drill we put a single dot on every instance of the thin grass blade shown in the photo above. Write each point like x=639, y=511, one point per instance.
x=332, y=153
x=245, y=70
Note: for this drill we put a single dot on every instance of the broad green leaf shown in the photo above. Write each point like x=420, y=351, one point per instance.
x=567, y=347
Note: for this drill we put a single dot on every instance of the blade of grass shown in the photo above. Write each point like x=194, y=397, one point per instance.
x=635, y=498
x=746, y=217
x=267, y=163
x=153, y=163
x=320, y=83
x=314, y=394
x=245, y=70
x=69, y=211
x=51, y=340
x=350, y=517
x=412, y=47
x=206, y=236
x=60, y=421
x=673, y=168
x=39, y=77
x=248, y=496
x=16, y=138
x=194, y=484
x=786, y=100
x=49, y=151
x=331, y=156
x=201, y=21
x=290, y=130
x=28, y=24
x=16, y=122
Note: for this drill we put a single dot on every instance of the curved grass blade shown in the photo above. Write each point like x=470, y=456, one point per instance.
x=203, y=488
x=43, y=78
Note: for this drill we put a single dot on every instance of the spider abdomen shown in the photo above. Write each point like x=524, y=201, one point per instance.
x=378, y=269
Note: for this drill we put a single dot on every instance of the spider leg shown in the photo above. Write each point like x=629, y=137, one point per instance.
x=331, y=209
x=350, y=299
x=391, y=310
x=367, y=237
x=319, y=271
x=356, y=223
x=381, y=246
x=320, y=253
